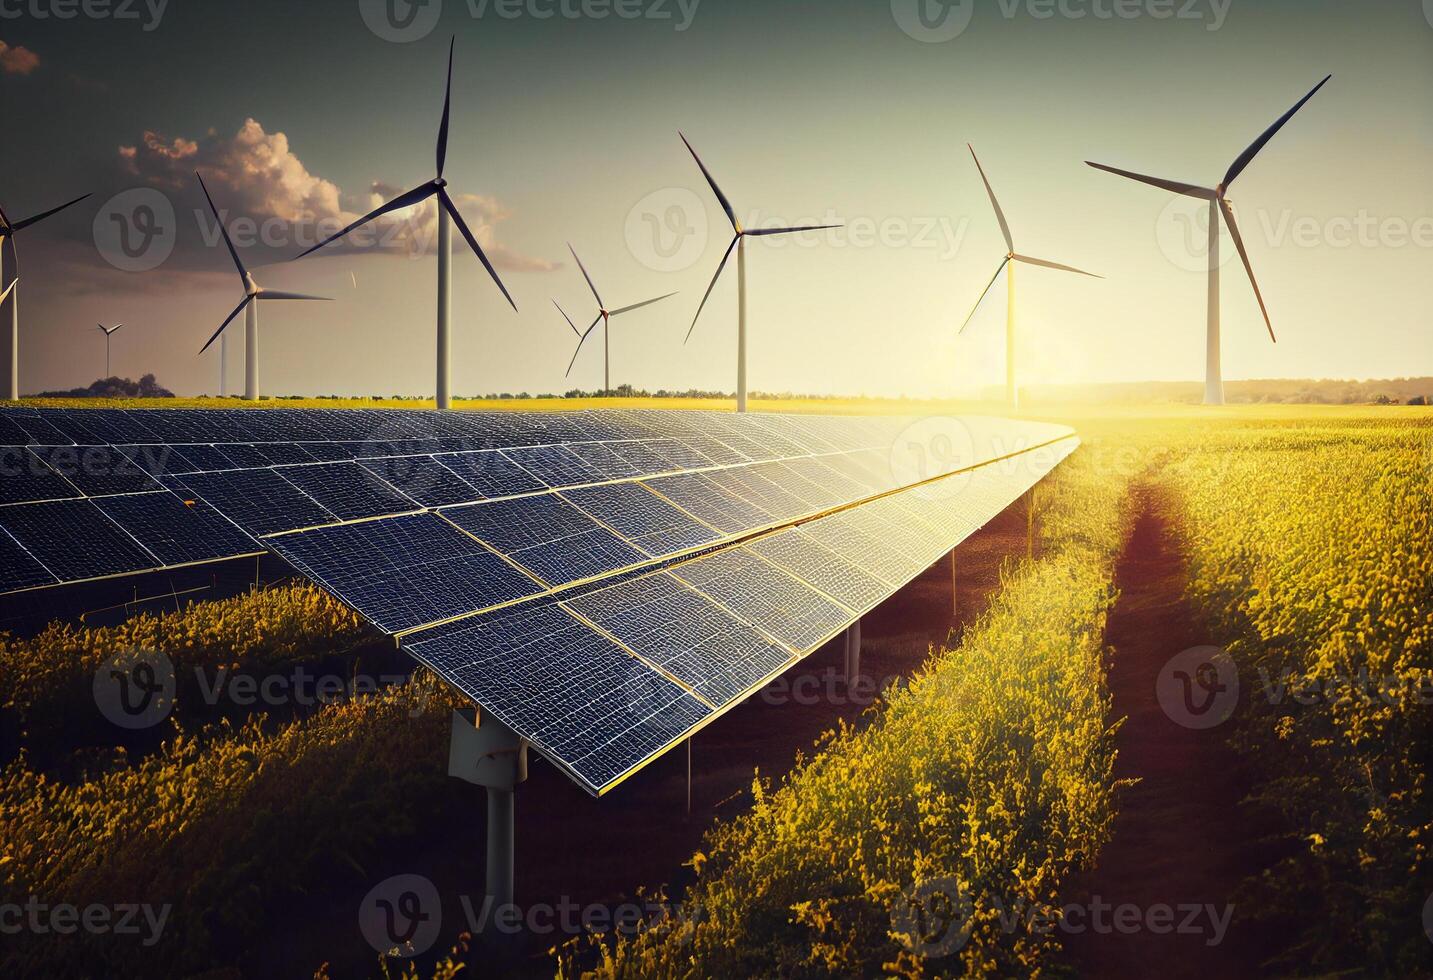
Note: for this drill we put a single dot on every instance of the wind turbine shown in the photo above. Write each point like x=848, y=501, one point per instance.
x=108, y=333
x=1219, y=204
x=604, y=317
x=250, y=304
x=437, y=187
x=1012, y=390
x=8, y=229
x=738, y=242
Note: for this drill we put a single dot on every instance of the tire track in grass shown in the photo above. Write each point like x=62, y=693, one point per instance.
x=1181, y=839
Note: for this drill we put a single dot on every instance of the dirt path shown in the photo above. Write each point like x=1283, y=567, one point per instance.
x=1181, y=839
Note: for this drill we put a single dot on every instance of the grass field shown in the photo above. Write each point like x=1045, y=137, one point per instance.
x=1304, y=537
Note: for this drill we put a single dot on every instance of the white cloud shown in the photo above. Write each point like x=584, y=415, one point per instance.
x=255, y=174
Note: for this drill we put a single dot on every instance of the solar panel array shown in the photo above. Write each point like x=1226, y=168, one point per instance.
x=605, y=583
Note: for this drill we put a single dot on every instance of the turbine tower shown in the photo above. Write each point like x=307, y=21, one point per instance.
x=1219, y=205
x=447, y=211
x=604, y=317
x=250, y=304
x=738, y=242
x=8, y=229
x=108, y=333
x=1012, y=389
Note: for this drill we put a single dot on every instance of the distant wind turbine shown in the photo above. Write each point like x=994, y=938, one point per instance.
x=8, y=229
x=437, y=187
x=108, y=333
x=250, y=303
x=1012, y=390
x=738, y=242
x=604, y=317
x=1219, y=204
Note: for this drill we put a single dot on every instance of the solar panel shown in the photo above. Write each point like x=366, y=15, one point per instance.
x=548, y=536
x=404, y=572
x=603, y=582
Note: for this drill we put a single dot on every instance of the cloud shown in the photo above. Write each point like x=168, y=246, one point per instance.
x=17, y=59
x=256, y=175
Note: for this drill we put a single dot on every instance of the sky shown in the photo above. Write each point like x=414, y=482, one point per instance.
x=565, y=129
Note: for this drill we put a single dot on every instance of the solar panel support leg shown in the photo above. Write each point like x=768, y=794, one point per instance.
x=954, y=588
x=493, y=756
x=853, y=652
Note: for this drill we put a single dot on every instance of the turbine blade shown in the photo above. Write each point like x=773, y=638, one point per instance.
x=1003, y=263
x=567, y=318
x=703, y=305
x=227, y=320
x=233, y=253
x=447, y=103
x=584, y=274
x=8, y=290
x=725, y=204
x=582, y=340
x=447, y=202
x=758, y=232
x=276, y=294
x=1249, y=268
x=999, y=214
x=1237, y=167
x=405, y=200
x=1178, y=187
x=27, y=222
x=638, y=306
x=1055, y=265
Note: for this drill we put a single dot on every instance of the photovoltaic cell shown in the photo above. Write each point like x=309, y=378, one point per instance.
x=404, y=572
x=685, y=634
x=422, y=479
x=764, y=596
x=642, y=518
x=175, y=533
x=259, y=501
x=839, y=577
x=347, y=490
x=25, y=477
x=74, y=540
x=548, y=536
x=569, y=690
x=701, y=497
x=18, y=568
x=761, y=493
x=491, y=474
x=555, y=466
x=96, y=470
x=602, y=459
